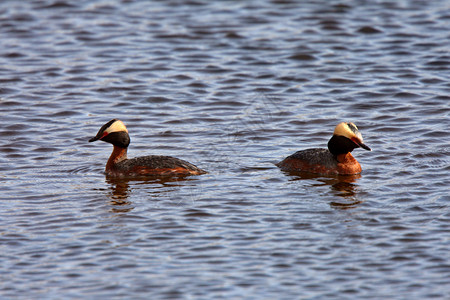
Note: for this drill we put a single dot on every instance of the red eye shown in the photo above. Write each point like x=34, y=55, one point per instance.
x=356, y=141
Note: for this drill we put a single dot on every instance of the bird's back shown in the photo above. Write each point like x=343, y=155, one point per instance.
x=316, y=160
x=157, y=165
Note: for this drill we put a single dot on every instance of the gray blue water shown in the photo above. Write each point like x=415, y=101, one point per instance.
x=233, y=87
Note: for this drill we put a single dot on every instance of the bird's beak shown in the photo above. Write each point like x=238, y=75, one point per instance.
x=358, y=141
x=364, y=146
x=93, y=139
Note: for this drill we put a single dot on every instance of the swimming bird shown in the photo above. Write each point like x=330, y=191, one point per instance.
x=118, y=165
x=336, y=160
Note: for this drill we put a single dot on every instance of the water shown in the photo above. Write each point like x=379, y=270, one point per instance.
x=233, y=87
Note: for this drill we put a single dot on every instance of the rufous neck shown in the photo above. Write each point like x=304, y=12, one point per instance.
x=118, y=154
x=345, y=158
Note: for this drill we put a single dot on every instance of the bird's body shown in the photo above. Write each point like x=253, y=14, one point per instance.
x=115, y=133
x=336, y=160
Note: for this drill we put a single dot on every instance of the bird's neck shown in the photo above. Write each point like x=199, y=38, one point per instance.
x=340, y=145
x=118, y=154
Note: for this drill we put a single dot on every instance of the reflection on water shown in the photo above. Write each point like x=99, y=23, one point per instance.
x=155, y=187
x=119, y=192
x=343, y=187
x=231, y=86
x=348, y=191
x=121, y=206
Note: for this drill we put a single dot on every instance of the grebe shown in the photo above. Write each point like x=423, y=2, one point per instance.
x=115, y=133
x=336, y=160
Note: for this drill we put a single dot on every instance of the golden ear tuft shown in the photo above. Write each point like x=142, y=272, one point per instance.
x=117, y=126
x=347, y=129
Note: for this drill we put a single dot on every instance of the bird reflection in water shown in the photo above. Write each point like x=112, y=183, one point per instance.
x=346, y=188
x=121, y=189
x=343, y=187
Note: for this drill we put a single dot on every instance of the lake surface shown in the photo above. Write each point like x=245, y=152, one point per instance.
x=233, y=87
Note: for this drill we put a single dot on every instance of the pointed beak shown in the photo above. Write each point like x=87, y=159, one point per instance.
x=364, y=146
x=99, y=136
x=358, y=141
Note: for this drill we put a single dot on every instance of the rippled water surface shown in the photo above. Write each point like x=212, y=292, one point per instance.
x=233, y=87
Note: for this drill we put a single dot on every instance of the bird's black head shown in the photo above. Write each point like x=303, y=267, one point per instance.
x=346, y=137
x=113, y=132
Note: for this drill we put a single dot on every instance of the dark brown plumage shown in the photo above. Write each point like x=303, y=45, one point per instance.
x=336, y=160
x=115, y=133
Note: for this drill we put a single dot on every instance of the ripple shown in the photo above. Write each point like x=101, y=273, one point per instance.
x=302, y=56
x=233, y=87
x=369, y=30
